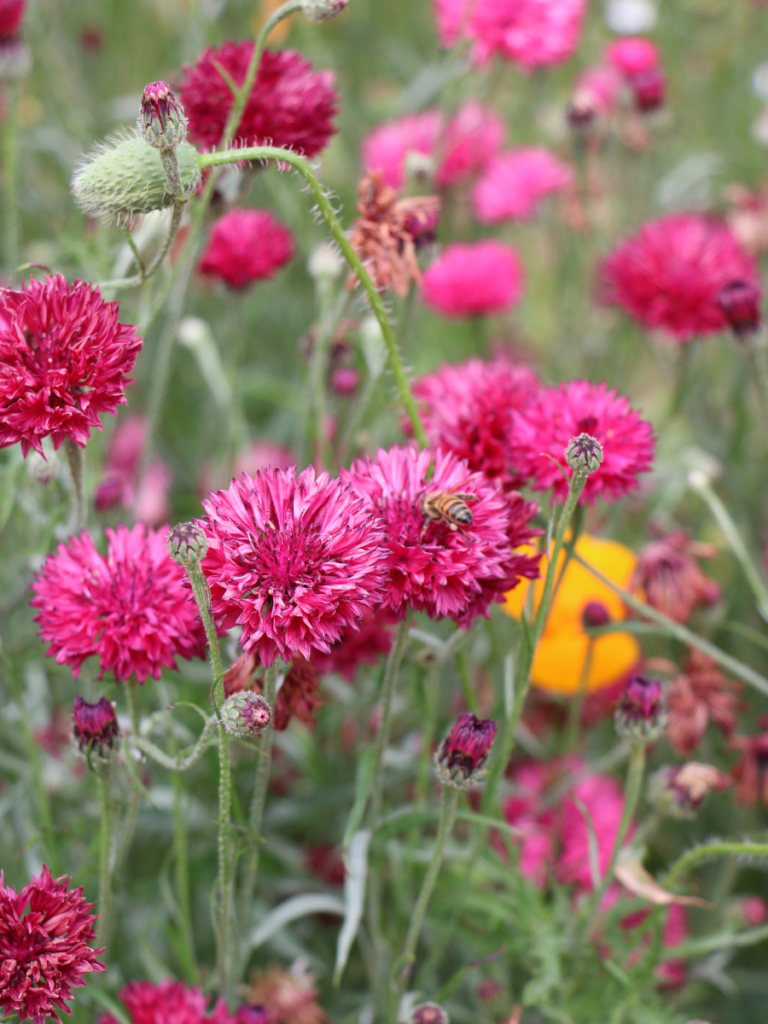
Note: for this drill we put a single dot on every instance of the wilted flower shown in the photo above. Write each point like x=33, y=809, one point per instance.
x=245, y=714
x=700, y=695
x=679, y=790
x=474, y=279
x=246, y=246
x=670, y=578
x=561, y=655
x=455, y=573
x=161, y=122
x=64, y=360
x=467, y=409
x=295, y=560
x=641, y=715
x=94, y=725
x=290, y=105
x=174, y=1001
x=288, y=996
x=388, y=232
x=130, y=609
x=240, y=674
x=46, y=933
x=461, y=757
x=297, y=697
x=740, y=304
x=556, y=415
x=514, y=184
x=751, y=770
x=668, y=276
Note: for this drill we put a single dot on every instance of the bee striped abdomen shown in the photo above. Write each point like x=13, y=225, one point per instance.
x=452, y=509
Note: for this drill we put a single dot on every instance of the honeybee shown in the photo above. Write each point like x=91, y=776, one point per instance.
x=447, y=507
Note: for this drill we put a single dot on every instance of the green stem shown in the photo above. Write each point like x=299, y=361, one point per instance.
x=449, y=803
x=256, y=812
x=318, y=373
x=170, y=162
x=203, y=598
x=685, y=636
x=79, y=514
x=577, y=704
x=354, y=261
x=105, y=843
x=182, y=763
x=431, y=698
x=388, y=687
x=716, y=849
x=11, y=178
x=181, y=857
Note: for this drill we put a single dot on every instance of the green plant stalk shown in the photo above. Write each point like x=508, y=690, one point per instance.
x=424, y=775
x=723, y=518
x=79, y=514
x=354, y=261
x=577, y=704
x=128, y=825
x=318, y=372
x=11, y=178
x=256, y=812
x=105, y=843
x=178, y=763
x=448, y=805
x=507, y=741
x=388, y=687
x=181, y=858
x=708, y=850
x=685, y=636
x=203, y=598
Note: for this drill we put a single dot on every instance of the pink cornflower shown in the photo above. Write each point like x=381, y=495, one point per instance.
x=246, y=246
x=669, y=275
x=471, y=140
x=263, y=455
x=295, y=560
x=632, y=56
x=514, y=184
x=357, y=647
x=532, y=33
x=64, y=360
x=290, y=105
x=467, y=409
x=169, y=1002
x=120, y=484
x=387, y=147
x=130, y=609
x=473, y=279
x=46, y=934
x=594, y=95
x=11, y=17
x=555, y=415
x=446, y=573
x=602, y=796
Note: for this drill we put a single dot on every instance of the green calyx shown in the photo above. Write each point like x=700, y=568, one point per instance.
x=123, y=177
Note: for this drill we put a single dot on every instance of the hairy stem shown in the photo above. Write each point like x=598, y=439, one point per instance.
x=178, y=763
x=181, y=859
x=708, y=850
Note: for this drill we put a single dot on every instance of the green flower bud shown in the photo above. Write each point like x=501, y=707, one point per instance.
x=323, y=10
x=161, y=122
x=187, y=543
x=245, y=714
x=584, y=454
x=121, y=177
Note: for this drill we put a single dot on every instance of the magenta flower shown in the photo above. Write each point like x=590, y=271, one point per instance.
x=121, y=486
x=169, y=1002
x=94, y=724
x=359, y=646
x=471, y=140
x=473, y=279
x=467, y=409
x=515, y=183
x=739, y=302
x=595, y=94
x=531, y=33
x=387, y=147
x=462, y=756
x=669, y=275
x=602, y=797
x=246, y=246
x=11, y=16
x=46, y=934
x=446, y=573
x=64, y=360
x=295, y=560
x=556, y=415
x=290, y=105
x=130, y=609
x=632, y=56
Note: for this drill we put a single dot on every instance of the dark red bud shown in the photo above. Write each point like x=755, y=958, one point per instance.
x=739, y=302
x=94, y=725
x=595, y=614
x=649, y=88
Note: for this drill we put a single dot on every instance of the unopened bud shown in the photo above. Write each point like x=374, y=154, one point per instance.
x=323, y=10
x=95, y=726
x=584, y=454
x=122, y=177
x=43, y=470
x=595, y=614
x=678, y=791
x=739, y=302
x=461, y=758
x=245, y=714
x=641, y=716
x=428, y=1013
x=649, y=88
x=161, y=122
x=187, y=543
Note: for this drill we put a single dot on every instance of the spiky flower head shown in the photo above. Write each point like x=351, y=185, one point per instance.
x=461, y=758
x=323, y=10
x=245, y=714
x=245, y=246
x=678, y=791
x=428, y=1013
x=46, y=935
x=740, y=305
x=641, y=716
x=64, y=360
x=187, y=543
x=124, y=176
x=170, y=1001
x=584, y=454
x=129, y=609
x=95, y=726
x=474, y=279
x=515, y=183
x=161, y=121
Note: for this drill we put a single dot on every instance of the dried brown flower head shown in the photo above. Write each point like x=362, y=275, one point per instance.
x=297, y=697
x=289, y=996
x=751, y=771
x=668, y=573
x=698, y=696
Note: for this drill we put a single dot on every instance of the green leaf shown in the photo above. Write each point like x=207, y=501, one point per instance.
x=362, y=789
x=354, y=898
x=117, y=1010
x=292, y=910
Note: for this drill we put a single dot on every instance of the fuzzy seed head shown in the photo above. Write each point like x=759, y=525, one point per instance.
x=161, y=122
x=584, y=454
x=245, y=714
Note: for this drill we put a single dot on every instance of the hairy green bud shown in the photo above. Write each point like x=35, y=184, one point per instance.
x=187, y=543
x=323, y=10
x=584, y=454
x=121, y=177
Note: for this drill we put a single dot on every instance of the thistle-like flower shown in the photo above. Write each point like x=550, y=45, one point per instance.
x=187, y=543
x=245, y=714
x=679, y=790
x=428, y=1013
x=584, y=454
x=461, y=758
x=641, y=716
x=739, y=302
x=161, y=122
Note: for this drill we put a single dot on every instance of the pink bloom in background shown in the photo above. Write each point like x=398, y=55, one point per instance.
x=295, y=560
x=246, y=246
x=595, y=93
x=514, y=184
x=359, y=646
x=263, y=455
x=532, y=33
x=471, y=140
x=130, y=609
x=443, y=572
x=387, y=147
x=473, y=279
x=169, y=1002
x=64, y=360
x=669, y=275
x=467, y=409
x=345, y=381
x=555, y=415
x=11, y=17
x=120, y=485
x=632, y=56
x=46, y=933
x=602, y=796
x=290, y=105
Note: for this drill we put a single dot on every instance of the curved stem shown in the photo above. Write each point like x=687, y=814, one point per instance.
x=352, y=258
x=185, y=761
x=388, y=687
x=11, y=178
x=708, y=850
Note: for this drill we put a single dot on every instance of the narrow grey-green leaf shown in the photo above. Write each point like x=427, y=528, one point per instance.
x=362, y=789
x=354, y=897
x=292, y=910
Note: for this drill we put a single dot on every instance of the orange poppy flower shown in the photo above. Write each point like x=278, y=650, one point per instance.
x=562, y=652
